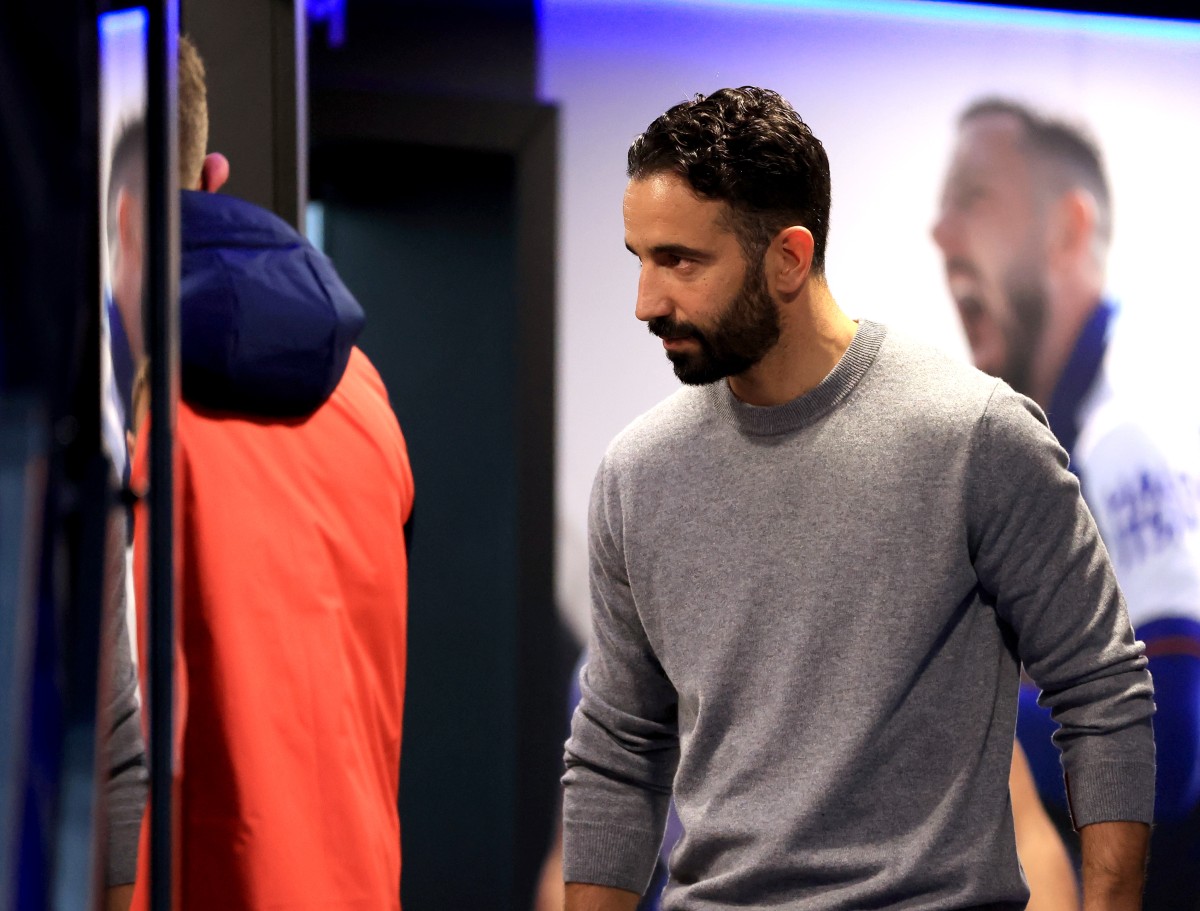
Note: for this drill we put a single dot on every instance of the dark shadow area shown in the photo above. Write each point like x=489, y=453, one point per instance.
x=429, y=239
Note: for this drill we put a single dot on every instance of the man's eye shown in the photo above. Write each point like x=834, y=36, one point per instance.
x=968, y=196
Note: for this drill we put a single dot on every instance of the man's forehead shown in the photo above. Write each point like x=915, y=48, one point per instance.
x=988, y=143
x=995, y=132
x=667, y=198
x=660, y=186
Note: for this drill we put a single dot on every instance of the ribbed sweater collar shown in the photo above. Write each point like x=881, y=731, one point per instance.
x=800, y=412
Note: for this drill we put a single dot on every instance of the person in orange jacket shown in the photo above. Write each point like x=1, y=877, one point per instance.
x=293, y=491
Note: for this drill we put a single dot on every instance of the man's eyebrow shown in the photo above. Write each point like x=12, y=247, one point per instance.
x=681, y=250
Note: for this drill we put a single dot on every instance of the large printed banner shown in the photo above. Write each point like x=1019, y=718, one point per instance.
x=882, y=84
x=123, y=74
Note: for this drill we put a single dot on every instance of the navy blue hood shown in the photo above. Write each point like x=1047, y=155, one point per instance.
x=265, y=324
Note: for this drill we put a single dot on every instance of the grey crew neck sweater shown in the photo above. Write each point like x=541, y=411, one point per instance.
x=807, y=624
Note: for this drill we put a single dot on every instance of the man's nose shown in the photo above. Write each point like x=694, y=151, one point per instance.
x=652, y=299
x=945, y=231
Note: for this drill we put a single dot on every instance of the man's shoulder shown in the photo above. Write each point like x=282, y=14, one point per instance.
x=359, y=406
x=921, y=362
x=1139, y=447
x=923, y=383
x=662, y=428
x=1138, y=455
x=362, y=379
x=354, y=435
x=362, y=396
x=1140, y=410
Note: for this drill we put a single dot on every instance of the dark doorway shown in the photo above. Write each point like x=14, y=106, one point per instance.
x=449, y=248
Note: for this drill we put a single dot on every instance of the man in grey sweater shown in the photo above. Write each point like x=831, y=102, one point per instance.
x=816, y=570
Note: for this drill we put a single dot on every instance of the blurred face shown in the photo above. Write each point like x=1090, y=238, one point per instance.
x=127, y=263
x=696, y=291
x=992, y=243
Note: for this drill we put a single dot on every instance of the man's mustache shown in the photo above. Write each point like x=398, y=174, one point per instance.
x=961, y=267
x=665, y=327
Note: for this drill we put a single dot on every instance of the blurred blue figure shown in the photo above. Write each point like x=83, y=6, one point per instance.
x=1024, y=229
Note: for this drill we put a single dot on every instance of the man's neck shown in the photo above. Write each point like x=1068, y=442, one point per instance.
x=1058, y=342
x=814, y=334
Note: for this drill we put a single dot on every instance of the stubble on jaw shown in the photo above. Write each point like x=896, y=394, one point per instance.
x=1026, y=295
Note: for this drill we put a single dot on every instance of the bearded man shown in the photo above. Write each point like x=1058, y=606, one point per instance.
x=816, y=570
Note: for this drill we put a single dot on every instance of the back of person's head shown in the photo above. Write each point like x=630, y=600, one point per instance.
x=1062, y=155
x=193, y=114
x=749, y=148
x=126, y=172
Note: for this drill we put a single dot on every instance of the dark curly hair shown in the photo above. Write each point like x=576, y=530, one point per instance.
x=749, y=148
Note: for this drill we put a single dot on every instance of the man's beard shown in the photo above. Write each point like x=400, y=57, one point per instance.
x=1023, y=332
x=744, y=332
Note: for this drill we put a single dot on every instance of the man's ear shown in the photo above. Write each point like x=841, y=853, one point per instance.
x=794, y=248
x=214, y=172
x=1073, y=223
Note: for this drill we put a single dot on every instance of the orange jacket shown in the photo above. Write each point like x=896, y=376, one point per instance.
x=291, y=624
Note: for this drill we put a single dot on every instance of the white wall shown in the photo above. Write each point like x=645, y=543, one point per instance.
x=881, y=91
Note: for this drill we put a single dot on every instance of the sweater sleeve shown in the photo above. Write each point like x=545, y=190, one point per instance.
x=624, y=744
x=1038, y=554
x=127, y=780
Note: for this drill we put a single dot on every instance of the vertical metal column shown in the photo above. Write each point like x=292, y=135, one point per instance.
x=162, y=335
x=289, y=78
